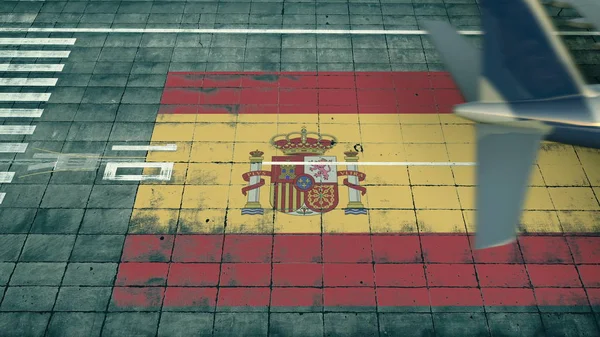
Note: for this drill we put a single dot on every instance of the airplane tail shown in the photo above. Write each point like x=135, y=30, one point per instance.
x=522, y=60
x=460, y=57
x=522, y=57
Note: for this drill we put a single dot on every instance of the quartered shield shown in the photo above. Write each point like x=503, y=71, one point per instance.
x=308, y=189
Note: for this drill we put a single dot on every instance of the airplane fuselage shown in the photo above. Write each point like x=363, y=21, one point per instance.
x=572, y=120
x=584, y=136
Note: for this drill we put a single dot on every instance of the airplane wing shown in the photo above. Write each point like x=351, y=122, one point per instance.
x=505, y=156
x=522, y=60
x=522, y=57
x=460, y=57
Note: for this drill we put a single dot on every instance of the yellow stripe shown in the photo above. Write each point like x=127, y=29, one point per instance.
x=563, y=195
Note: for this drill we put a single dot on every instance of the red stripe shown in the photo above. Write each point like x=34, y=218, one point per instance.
x=356, y=270
x=309, y=93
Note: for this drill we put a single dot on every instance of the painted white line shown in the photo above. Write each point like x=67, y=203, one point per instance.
x=166, y=170
x=2, y=195
x=45, y=163
x=21, y=113
x=400, y=163
x=39, y=67
x=30, y=41
x=17, y=129
x=28, y=82
x=258, y=31
x=24, y=97
x=6, y=177
x=580, y=23
x=167, y=147
x=13, y=147
x=57, y=54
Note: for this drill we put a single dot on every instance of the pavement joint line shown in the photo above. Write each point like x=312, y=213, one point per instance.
x=40, y=41
x=24, y=97
x=20, y=113
x=59, y=54
x=17, y=129
x=31, y=67
x=258, y=31
x=13, y=147
x=28, y=82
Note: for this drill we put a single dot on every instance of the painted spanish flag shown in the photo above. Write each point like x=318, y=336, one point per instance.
x=269, y=206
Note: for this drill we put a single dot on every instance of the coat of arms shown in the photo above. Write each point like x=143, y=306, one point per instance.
x=304, y=181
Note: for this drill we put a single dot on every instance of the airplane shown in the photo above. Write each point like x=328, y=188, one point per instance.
x=520, y=89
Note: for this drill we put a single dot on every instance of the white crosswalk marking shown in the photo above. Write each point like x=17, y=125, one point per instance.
x=57, y=54
x=40, y=41
x=13, y=147
x=21, y=113
x=6, y=177
x=34, y=67
x=28, y=82
x=16, y=96
x=17, y=129
x=24, y=97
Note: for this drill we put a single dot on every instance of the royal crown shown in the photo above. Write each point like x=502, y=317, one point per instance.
x=301, y=143
x=256, y=153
